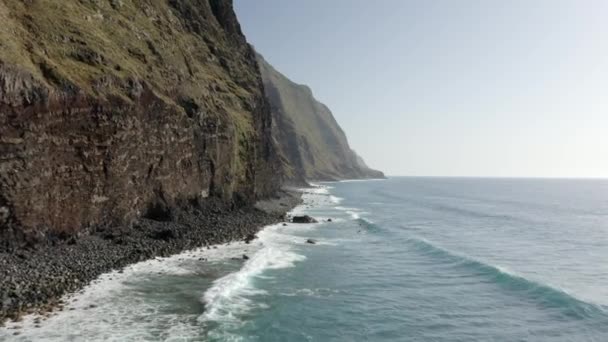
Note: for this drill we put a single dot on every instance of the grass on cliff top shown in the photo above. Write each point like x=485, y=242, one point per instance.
x=100, y=46
x=97, y=44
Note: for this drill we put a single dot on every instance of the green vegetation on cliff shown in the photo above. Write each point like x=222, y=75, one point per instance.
x=115, y=109
x=112, y=110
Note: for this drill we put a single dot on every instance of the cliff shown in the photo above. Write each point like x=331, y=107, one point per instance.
x=115, y=110
x=311, y=144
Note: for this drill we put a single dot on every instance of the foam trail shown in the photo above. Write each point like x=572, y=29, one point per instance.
x=336, y=199
x=353, y=214
x=230, y=297
x=122, y=306
x=112, y=306
x=347, y=208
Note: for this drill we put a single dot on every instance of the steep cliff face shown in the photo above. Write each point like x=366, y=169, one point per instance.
x=309, y=140
x=111, y=110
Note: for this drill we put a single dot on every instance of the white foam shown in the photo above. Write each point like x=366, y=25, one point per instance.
x=347, y=208
x=317, y=293
x=104, y=310
x=335, y=199
x=353, y=214
x=230, y=297
x=114, y=308
x=316, y=189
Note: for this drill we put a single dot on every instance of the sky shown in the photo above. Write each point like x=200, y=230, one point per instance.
x=491, y=88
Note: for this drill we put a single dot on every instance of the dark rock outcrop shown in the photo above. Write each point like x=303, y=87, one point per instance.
x=250, y=238
x=125, y=109
x=311, y=144
x=303, y=219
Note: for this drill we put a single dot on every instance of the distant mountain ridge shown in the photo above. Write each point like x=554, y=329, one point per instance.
x=309, y=140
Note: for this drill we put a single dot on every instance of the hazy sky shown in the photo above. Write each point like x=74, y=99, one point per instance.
x=451, y=88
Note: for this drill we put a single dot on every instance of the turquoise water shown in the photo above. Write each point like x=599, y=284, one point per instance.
x=428, y=259
x=405, y=259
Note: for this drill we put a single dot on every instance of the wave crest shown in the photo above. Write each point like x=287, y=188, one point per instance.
x=228, y=299
x=545, y=294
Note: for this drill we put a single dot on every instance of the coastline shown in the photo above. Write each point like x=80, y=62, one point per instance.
x=35, y=281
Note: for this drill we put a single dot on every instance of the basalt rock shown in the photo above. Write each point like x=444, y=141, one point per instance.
x=125, y=109
x=250, y=237
x=303, y=219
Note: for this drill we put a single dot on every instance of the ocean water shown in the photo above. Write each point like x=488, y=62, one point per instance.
x=404, y=259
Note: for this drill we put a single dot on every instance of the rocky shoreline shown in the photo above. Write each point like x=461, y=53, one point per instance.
x=35, y=280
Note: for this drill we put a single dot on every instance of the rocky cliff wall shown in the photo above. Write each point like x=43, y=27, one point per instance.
x=310, y=142
x=112, y=109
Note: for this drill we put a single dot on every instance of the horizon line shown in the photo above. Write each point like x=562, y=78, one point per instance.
x=506, y=177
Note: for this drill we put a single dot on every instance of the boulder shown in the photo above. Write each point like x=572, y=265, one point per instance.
x=311, y=241
x=303, y=219
x=250, y=238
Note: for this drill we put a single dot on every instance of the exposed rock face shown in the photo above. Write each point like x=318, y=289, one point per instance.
x=309, y=140
x=113, y=110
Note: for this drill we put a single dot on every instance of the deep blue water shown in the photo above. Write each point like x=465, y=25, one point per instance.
x=404, y=259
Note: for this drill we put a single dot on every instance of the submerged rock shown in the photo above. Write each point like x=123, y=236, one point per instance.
x=311, y=241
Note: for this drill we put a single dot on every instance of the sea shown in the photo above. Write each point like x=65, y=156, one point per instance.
x=403, y=259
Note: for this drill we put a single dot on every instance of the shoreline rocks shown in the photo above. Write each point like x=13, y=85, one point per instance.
x=303, y=219
x=34, y=281
x=250, y=238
